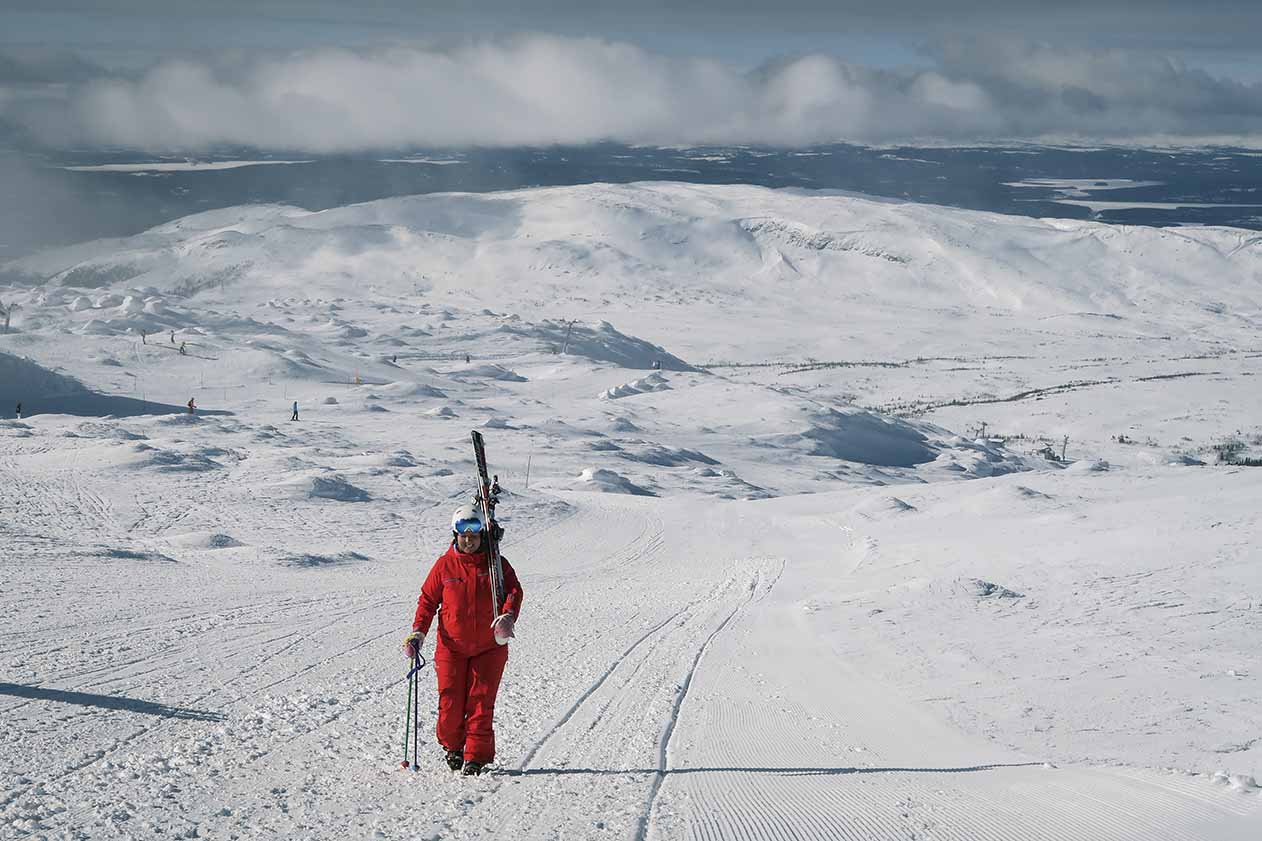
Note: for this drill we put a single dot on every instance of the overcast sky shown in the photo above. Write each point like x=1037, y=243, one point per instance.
x=331, y=76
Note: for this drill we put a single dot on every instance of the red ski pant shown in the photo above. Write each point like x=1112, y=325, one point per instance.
x=466, y=700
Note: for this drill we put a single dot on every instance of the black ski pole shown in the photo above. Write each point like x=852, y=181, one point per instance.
x=417, y=664
x=407, y=719
x=412, y=715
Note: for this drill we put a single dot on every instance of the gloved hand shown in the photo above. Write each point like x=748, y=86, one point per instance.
x=503, y=628
x=412, y=643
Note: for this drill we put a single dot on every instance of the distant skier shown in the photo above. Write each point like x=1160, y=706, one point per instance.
x=172, y=337
x=192, y=407
x=473, y=635
x=495, y=485
x=295, y=417
x=19, y=410
x=466, y=359
x=183, y=352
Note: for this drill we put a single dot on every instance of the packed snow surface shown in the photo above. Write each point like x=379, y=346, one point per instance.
x=836, y=518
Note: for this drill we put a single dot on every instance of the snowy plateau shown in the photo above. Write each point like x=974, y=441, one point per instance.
x=837, y=518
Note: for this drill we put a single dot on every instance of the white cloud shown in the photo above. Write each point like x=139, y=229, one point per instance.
x=540, y=89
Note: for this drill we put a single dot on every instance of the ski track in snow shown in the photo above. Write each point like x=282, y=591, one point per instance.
x=686, y=726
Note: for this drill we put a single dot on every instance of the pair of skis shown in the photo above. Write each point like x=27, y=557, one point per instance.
x=486, y=501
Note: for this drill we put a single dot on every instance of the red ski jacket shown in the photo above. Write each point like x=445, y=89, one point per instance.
x=461, y=585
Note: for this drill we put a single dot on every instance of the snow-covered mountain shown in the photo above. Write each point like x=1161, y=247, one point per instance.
x=786, y=492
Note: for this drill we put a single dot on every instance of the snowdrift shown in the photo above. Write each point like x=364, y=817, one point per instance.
x=609, y=481
x=599, y=342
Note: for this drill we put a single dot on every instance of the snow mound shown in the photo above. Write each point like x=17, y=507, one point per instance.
x=561, y=429
x=341, y=330
x=131, y=305
x=623, y=424
x=1089, y=466
x=326, y=487
x=441, y=412
x=133, y=555
x=883, y=507
x=311, y=561
x=205, y=540
x=336, y=488
x=93, y=327
x=860, y=436
x=95, y=429
x=599, y=342
x=292, y=364
x=653, y=382
x=982, y=589
x=979, y=459
x=607, y=481
x=659, y=456
x=173, y=461
x=491, y=371
x=402, y=390
x=400, y=458
x=1242, y=782
x=182, y=417
x=726, y=485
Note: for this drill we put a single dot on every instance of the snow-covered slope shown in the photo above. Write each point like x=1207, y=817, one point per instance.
x=800, y=556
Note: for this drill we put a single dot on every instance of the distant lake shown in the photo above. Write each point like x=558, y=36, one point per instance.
x=52, y=201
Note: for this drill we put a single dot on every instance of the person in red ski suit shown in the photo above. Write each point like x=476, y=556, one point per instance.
x=472, y=646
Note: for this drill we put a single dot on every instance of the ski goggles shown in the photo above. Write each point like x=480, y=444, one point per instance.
x=469, y=526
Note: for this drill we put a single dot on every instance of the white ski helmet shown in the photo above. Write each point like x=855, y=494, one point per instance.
x=464, y=514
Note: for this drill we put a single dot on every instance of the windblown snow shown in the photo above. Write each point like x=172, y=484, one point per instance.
x=836, y=517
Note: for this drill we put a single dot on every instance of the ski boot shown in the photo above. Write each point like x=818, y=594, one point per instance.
x=455, y=759
x=472, y=768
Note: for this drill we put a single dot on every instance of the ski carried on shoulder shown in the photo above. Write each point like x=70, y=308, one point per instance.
x=486, y=502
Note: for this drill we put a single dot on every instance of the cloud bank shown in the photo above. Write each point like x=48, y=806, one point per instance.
x=539, y=90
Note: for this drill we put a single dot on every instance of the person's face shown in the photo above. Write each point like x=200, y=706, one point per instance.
x=469, y=542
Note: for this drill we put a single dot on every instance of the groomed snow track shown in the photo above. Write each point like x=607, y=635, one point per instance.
x=665, y=685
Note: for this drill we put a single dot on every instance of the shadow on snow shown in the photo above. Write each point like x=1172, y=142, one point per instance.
x=109, y=702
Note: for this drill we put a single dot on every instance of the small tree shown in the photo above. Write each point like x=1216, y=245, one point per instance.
x=1229, y=450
